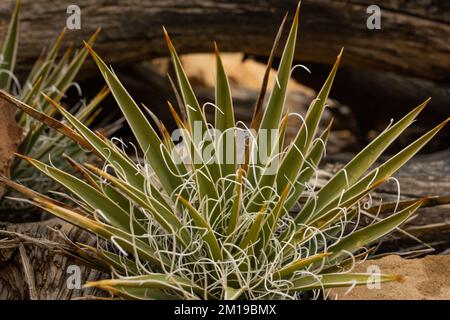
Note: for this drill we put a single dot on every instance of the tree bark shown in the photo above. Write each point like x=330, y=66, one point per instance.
x=31, y=264
x=412, y=41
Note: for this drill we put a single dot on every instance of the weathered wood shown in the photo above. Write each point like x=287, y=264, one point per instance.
x=412, y=41
x=48, y=269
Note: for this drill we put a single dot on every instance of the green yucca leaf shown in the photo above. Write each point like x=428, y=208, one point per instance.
x=347, y=263
x=30, y=95
x=271, y=119
x=131, y=244
x=263, y=186
x=271, y=222
x=321, y=221
x=32, y=74
x=57, y=88
x=155, y=204
x=151, y=281
x=294, y=159
x=139, y=293
x=373, y=232
x=118, y=262
x=119, y=161
x=49, y=121
x=9, y=50
x=110, y=210
x=331, y=280
x=178, y=98
x=206, y=184
x=167, y=139
x=126, y=241
x=165, y=135
x=303, y=233
x=272, y=114
x=348, y=175
x=193, y=110
x=343, y=210
x=44, y=67
x=274, y=109
x=258, y=112
x=61, y=66
x=236, y=204
x=308, y=169
x=51, y=146
x=254, y=230
x=68, y=74
x=208, y=233
x=388, y=168
x=233, y=294
x=399, y=205
x=225, y=124
x=197, y=123
x=44, y=75
x=118, y=198
x=150, y=144
x=84, y=113
x=224, y=112
x=87, y=175
x=299, y=264
x=283, y=128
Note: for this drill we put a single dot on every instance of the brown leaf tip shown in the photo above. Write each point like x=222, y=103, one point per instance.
x=166, y=35
x=216, y=49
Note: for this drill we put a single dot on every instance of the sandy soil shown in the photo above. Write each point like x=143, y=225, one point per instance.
x=423, y=279
x=242, y=73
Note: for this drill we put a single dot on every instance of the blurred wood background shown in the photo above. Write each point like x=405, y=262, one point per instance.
x=392, y=69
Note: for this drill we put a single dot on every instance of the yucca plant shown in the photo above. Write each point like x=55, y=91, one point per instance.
x=218, y=225
x=53, y=75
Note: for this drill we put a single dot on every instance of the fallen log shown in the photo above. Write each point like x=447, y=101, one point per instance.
x=32, y=266
x=412, y=39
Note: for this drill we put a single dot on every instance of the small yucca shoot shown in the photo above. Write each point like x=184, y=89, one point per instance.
x=54, y=76
x=218, y=225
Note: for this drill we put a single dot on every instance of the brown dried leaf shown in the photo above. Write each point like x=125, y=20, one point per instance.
x=10, y=137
